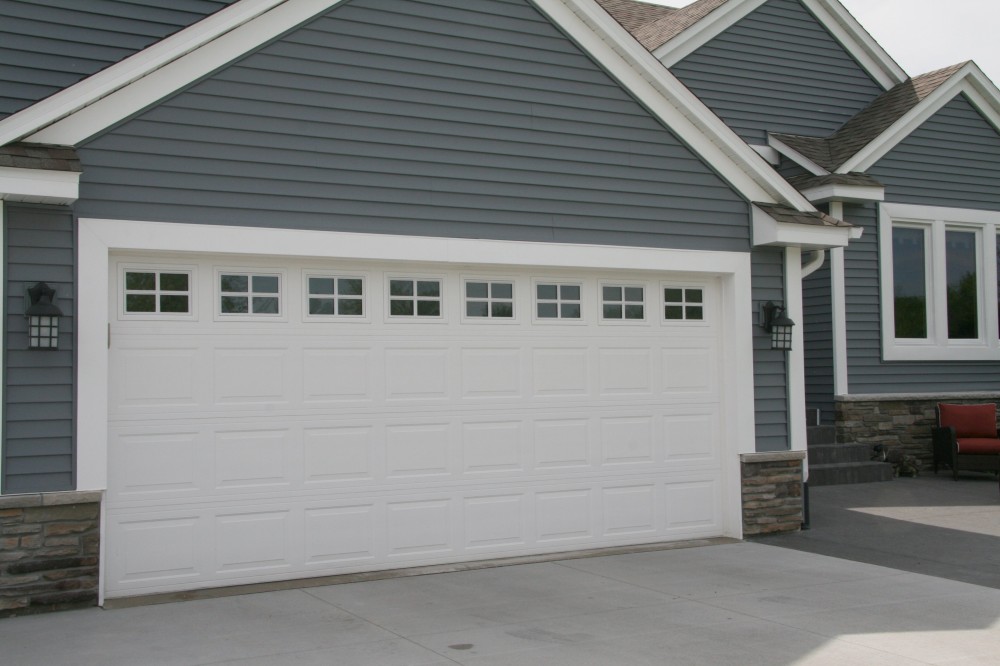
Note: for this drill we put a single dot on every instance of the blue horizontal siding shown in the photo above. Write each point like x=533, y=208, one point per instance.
x=770, y=371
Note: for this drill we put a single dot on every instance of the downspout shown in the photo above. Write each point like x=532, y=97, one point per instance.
x=814, y=263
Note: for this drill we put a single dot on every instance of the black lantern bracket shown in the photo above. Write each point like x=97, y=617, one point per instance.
x=775, y=321
x=43, y=317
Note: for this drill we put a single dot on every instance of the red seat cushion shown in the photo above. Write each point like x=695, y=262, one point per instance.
x=978, y=446
x=978, y=421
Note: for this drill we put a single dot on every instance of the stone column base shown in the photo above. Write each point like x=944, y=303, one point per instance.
x=772, y=492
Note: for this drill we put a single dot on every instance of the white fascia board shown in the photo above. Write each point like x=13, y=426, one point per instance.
x=796, y=156
x=772, y=156
x=969, y=80
x=594, y=30
x=39, y=185
x=174, y=74
x=768, y=231
x=105, y=82
x=704, y=31
x=844, y=193
x=858, y=42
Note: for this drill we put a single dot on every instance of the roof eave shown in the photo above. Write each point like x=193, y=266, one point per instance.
x=769, y=232
x=844, y=193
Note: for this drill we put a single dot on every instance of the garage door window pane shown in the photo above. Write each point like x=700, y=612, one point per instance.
x=414, y=298
x=247, y=293
x=157, y=292
x=334, y=296
x=490, y=300
x=683, y=304
x=623, y=303
x=558, y=301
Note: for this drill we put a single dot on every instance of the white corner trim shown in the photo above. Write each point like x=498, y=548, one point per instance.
x=179, y=67
x=796, y=156
x=702, y=32
x=844, y=193
x=99, y=238
x=594, y=30
x=768, y=231
x=39, y=185
x=859, y=43
x=838, y=306
x=969, y=80
x=796, y=381
x=108, y=80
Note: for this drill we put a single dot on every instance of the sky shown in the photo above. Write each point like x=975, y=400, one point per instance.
x=924, y=35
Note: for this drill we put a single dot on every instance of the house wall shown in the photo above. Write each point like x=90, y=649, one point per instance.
x=47, y=46
x=770, y=366
x=952, y=160
x=818, y=342
x=475, y=119
x=778, y=70
x=38, y=396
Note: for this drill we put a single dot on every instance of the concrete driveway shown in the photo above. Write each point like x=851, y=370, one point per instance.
x=726, y=603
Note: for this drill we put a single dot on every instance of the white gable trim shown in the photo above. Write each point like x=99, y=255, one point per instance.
x=969, y=80
x=170, y=69
x=834, y=17
x=796, y=156
x=107, y=81
x=594, y=30
x=39, y=186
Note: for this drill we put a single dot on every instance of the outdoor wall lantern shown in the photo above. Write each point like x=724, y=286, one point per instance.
x=777, y=323
x=43, y=318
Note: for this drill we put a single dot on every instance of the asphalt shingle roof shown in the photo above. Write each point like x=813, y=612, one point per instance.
x=856, y=179
x=788, y=215
x=34, y=156
x=833, y=151
x=654, y=25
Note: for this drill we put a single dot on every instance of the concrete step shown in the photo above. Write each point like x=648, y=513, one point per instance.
x=821, y=435
x=844, y=473
x=831, y=454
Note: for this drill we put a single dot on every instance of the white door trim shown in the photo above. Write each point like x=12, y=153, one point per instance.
x=98, y=238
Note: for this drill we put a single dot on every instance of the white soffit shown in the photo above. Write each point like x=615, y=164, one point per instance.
x=844, y=193
x=39, y=186
x=768, y=231
x=144, y=80
x=594, y=30
x=970, y=80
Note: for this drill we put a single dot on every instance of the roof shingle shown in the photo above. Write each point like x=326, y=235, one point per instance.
x=34, y=156
x=653, y=25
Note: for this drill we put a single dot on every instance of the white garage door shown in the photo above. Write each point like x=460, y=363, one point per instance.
x=279, y=419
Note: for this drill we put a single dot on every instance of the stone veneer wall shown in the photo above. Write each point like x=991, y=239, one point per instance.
x=49, y=550
x=901, y=420
x=772, y=492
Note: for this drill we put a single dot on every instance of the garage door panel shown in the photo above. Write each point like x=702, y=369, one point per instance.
x=253, y=450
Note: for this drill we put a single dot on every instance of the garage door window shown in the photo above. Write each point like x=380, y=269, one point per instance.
x=489, y=300
x=336, y=296
x=683, y=304
x=557, y=301
x=622, y=302
x=249, y=294
x=157, y=292
x=411, y=297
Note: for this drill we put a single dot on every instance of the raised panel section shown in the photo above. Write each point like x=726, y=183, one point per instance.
x=564, y=515
x=337, y=454
x=154, y=549
x=333, y=375
x=249, y=376
x=418, y=528
x=251, y=458
x=156, y=463
x=491, y=373
x=492, y=447
x=339, y=534
x=688, y=371
x=560, y=372
x=155, y=378
x=252, y=541
x=629, y=510
x=562, y=443
x=626, y=371
x=691, y=504
x=691, y=437
x=627, y=440
x=416, y=374
x=418, y=450
x=494, y=521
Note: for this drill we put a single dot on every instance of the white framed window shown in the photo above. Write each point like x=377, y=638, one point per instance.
x=156, y=292
x=415, y=297
x=623, y=302
x=940, y=297
x=334, y=296
x=558, y=301
x=249, y=294
x=682, y=303
x=488, y=299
